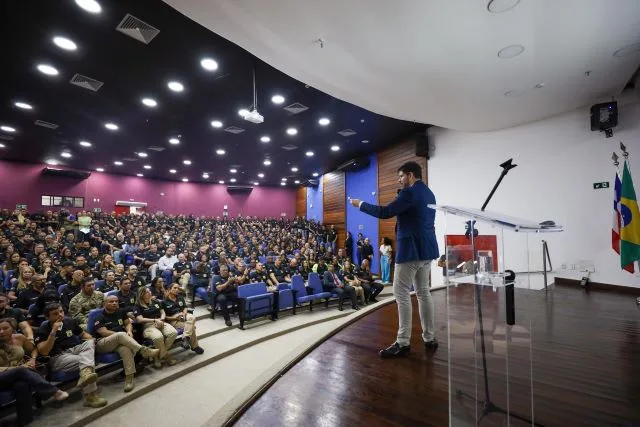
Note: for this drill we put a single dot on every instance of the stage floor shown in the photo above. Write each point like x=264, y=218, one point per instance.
x=586, y=369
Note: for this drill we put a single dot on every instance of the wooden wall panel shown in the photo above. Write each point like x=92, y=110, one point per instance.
x=334, y=203
x=389, y=160
x=301, y=202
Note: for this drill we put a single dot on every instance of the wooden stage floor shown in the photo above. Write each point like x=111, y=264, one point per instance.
x=586, y=368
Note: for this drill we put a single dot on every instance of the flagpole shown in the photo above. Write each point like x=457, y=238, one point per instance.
x=625, y=154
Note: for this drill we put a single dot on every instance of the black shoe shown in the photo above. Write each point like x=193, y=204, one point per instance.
x=198, y=350
x=355, y=307
x=394, y=350
x=373, y=300
x=340, y=307
x=185, y=343
x=227, y=322
x=431, y=345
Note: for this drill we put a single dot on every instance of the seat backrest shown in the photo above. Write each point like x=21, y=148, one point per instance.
x=7, y=281
x=91, y=319
x=99, y=284
x=113, y=292
x=62, y=288
x=297, y=284
x=262, y=259
x=315, y=283
x=252, y=289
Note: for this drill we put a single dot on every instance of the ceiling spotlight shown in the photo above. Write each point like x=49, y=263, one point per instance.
x=175, y=86
x=209, y=64
x=315, y=174
x=149, y=102
x=297, y=181
x=283, y=179
x=221, y=182
x=335, y=148
x=66, y=154
x=265, y=139
x=232, y=180
x=216, y=123
x=174, y=141
x=243, y=112
x=510, y=51
x=220, y=152
x=64, y=43
x=292, y=131
x=365, y=141
x=85, y=143
x=3, y=146
x=324, y=121
x=294, y=169
x=147, y=166
x=47, y=69
x=309, y=154
x=52, y=162
x=111, y=126
x=141, y=154
x=186, y=162
x=99, y=170
x=205, y=175
x=233, y=170
x=118, y=163
x=267, y=162
x=91, y=6
x=139, y=175
x=283, y=183
x=173, y=171
x=277, y=99
x=260, y=175
x=7, y=129
x=185, y=179
x=23, y=105
x=256, y=183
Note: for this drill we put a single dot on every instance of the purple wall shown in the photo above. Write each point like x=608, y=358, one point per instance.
x=24, y=183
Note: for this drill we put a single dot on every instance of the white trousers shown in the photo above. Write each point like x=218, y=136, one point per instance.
x=405, y=275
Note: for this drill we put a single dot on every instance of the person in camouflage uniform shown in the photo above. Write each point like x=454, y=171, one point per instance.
x=87, y=300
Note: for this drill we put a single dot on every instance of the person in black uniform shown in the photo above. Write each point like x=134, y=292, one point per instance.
x=226, y=291
x=151, y=315
x=277, y=273
x=31, y=294
x=21, y=321
x=201, y=275
x=371, y=289
x=73, y=289
x=126, y=298
x=158, y=289
x=176, y=314
x=260, y=275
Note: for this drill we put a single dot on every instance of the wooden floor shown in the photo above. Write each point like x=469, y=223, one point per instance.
x=586, y=368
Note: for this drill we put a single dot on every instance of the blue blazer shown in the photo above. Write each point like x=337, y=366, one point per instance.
x=415, y=231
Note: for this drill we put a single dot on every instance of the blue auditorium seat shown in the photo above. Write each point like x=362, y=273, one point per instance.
x=300, y=291
x=113, y=292
x=7, y=282
x=285, y=297
x=255, y=301
x=315, y=283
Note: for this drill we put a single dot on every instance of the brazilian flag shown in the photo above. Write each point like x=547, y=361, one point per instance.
x=630, y=221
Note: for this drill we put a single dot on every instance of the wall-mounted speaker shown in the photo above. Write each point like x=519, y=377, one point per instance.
x=422, y=145
x=239, y=189
x=66, y=173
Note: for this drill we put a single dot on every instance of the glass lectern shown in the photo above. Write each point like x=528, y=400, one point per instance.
x=489, y=345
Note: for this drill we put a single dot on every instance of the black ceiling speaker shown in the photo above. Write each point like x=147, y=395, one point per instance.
x=422, y=145
x=66, y=173
x=604, y=117
x=311, y=182
x=354, y=165
x=239, y=189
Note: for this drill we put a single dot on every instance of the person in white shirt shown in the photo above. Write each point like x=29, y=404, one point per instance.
x=385, y=259
x=167, y=261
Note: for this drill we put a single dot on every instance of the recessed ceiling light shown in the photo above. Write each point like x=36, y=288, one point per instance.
x=216, y=123
x=243, y=112
x=185, y=179
x=142, y=154
x=260, y=175
x=99, y=170
x=277, y=99
x=221, y=182
x=315, y=174
x=365, y=141
x=174, y=141
x=205, y=175
x=309, y=154
x=499, y=6
x=64, y=43
x=147, y=166
x=335, y=148
x=256, y=183
x=7, y=129
x=297, y=181
x=91, y=6
x=175, y=86
x=283, y=183
x=233, y=170
x=149, y=102
x=220, y=152
x=117, y=163
x=513, y=93
x=47, y=69
x=85, y=143
x=139, y=175
x=232, y=180
x=292, y=131
x=510, y=51
x=283, y=179
x=324, y=121
x=51, y=162
x=111, y=126
x=265, y=138
x=294, y=169
x=66, y=154
x=627, y=50
x=267, y=162
x=186, y=162
x=209, y=64
x=3, y=146
x=173, y=171
x=23, y=105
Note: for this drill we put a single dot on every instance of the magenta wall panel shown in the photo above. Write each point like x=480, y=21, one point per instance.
x=24, y=183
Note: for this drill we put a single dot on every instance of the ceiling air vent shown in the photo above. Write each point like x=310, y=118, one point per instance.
x=347, y=132
x=86, y=82
x=296, y=108
x=289, y=147
x=137, y=29
x=234, y=129
x=46, y=124
x=156, y=148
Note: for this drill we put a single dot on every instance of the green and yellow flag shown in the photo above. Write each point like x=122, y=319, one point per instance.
x=630, y=221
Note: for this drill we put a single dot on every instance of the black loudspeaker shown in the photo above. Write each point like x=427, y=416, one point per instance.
x=65, y=173
x=422, y=145
x=239, y=189
x=604, y=116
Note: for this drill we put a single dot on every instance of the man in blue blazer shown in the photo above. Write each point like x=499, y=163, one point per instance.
x=416, y=247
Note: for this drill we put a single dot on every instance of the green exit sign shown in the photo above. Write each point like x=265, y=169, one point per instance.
x=599, y=185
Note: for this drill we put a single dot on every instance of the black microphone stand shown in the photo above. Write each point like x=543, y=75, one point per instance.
x=488, y=407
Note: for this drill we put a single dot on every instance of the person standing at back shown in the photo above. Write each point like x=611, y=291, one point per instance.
x=416, y=247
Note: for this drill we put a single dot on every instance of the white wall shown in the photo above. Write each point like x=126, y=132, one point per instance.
x=558, y=160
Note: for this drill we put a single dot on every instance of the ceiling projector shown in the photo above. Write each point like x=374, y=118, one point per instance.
x=254, y=117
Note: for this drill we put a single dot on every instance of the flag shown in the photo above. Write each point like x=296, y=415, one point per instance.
x=630, y=221
x=615, y=230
